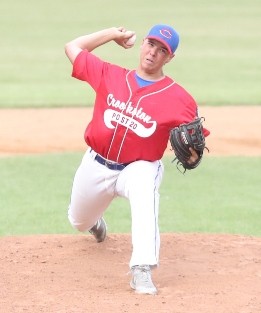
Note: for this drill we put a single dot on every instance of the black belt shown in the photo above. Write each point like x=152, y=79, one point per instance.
x=111, y=165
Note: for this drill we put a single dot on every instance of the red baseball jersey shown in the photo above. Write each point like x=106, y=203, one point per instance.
x=130, y=123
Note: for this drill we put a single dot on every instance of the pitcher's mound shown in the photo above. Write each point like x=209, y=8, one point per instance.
x=74, y=274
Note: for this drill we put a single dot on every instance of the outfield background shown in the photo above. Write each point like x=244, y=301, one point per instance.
x=218, y=62
x=218, y=59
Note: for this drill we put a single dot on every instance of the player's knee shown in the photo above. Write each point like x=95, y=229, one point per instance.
x=78, y=225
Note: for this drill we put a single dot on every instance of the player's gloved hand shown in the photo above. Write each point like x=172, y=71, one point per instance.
x=188, y=144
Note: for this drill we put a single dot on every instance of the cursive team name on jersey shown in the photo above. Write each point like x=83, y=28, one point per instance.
x=111, y=115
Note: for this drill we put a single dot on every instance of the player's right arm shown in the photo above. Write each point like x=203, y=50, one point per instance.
x=91, y=41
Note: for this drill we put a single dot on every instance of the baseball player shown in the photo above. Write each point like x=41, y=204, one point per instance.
x=134, y=111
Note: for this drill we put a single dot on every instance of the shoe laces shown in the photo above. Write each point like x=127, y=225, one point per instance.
x=143, y=273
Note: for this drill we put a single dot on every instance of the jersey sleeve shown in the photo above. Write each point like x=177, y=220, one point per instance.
x=88, y=67
x=191, y=110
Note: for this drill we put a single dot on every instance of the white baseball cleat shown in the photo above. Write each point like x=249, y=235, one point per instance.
x=141, y=280
x=99, y=230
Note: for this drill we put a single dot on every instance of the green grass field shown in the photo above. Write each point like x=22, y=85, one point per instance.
x=218, y=60
x=220, y=196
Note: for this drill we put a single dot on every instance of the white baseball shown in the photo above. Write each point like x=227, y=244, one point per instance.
x=132, y=39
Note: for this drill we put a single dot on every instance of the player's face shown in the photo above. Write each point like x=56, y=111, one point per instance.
x=154, y=55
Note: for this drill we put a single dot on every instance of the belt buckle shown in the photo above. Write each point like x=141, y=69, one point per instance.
x=107, y=163
x=112, y=166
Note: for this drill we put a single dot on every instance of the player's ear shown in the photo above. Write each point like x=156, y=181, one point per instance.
x=170, y=57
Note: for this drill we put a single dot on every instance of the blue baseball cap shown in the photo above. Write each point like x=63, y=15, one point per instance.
x=166, y=35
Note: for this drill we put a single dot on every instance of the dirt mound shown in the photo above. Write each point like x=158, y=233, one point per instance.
x=74, y=274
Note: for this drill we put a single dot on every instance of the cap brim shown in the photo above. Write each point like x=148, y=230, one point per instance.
x=161, y=41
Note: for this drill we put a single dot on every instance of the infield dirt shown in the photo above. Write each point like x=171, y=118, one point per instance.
x=198, y=273
x=234, y=130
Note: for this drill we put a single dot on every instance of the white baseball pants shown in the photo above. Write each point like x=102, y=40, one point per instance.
x=95, y=186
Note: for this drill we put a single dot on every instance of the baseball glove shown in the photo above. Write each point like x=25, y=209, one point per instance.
x=183, y=138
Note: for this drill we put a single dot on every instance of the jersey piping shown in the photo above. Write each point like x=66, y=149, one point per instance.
x=116, y=127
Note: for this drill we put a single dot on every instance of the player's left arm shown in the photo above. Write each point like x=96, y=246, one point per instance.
x=189, y=143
